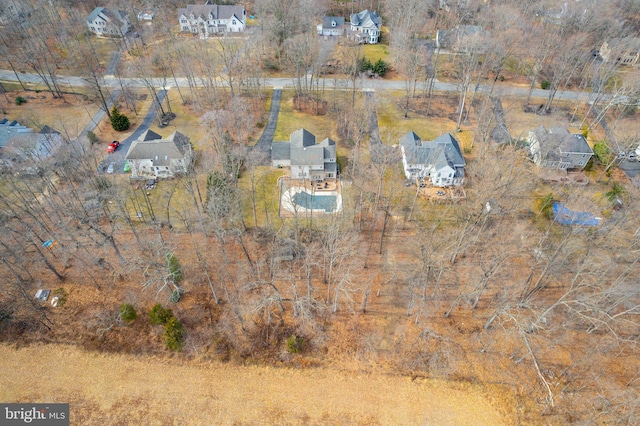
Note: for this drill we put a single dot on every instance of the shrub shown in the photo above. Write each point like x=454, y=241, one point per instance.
x=61, y=294
x=173, y=334
x=294, y=344
x=92, y=137
x=380, y=67
x=603, y=153
x=175, y=296
x=20, y=100
x=160, y=315
x=127, y=312
x=546, y=206
x=175, y=269
x=119, y=122
x=545, y=84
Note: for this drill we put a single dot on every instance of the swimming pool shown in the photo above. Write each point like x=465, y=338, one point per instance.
x=328, y=203
x=298, y=200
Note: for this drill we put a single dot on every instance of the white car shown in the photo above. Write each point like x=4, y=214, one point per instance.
x=110, y=168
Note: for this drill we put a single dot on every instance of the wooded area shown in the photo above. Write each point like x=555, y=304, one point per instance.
x=487, y=290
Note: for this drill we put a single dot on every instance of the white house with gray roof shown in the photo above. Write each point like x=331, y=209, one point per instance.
x=557, y=148
x=21, y=143
x=151, y=155
x=440, y=161
x=331, y=26
x=365, y=27
x=210, y=19
x=108, y=22
x=306, y=159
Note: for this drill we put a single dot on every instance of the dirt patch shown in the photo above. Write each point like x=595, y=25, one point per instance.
x=108, y=388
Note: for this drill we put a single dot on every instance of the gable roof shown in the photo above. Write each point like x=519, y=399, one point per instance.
x=441, y=152
x=149, y=135
x=218, y=11
x=302, y=138
x=108, y=14
x=366, y=19
x=160, y=151
x=328, y=20
x=559, y=140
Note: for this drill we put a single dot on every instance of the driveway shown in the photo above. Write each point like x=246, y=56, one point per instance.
x=117, y=158
x=262, y=148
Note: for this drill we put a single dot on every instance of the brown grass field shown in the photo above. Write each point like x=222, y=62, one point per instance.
x=118, y=389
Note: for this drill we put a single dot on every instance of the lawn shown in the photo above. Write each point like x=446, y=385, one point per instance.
x=374, y=52
x=393, y=125
x=290, y=120
x=68, y=116
x=267, y=196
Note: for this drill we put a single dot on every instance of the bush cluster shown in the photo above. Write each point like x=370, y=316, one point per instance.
x=379, y=67
x=20, y=100
x=173, y=329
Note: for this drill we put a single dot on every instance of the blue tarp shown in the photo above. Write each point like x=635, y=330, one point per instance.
x=564, y=216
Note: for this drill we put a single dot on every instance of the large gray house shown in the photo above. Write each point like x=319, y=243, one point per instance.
x=557, y=148
x=108, y=22
x=365, y=27
x=306, y=159
x=151, y=155
x=210, y=19
x=440, y=161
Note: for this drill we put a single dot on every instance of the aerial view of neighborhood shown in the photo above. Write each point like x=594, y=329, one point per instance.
x=358, y=212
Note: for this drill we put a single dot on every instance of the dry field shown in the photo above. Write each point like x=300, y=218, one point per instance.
x=118, y=389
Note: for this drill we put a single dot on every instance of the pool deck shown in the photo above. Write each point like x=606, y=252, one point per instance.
x=292, y=186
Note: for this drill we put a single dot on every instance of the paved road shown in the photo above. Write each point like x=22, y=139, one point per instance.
x=117, y=158
x=371, y=84
x=263, y=146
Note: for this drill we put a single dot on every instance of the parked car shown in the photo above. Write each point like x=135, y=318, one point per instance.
x=111, y=168
x=127, y=167
x=113, y=146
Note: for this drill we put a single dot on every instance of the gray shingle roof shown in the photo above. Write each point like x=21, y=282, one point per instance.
x=558, y=140
x=301, y=138
x=280, y=151
x=161, y=151
x=442, y=151
x=111, y=14
x=366, y=19
x=218, y=11
x=307, y=156
x=328, y=20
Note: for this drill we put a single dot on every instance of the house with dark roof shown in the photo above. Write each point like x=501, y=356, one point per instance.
x=307, y=159
x=20, y=143
x=331, y=26
x=440, y=161
x=365, y=27
x=151, y=155
x=557, y=148
x=210, y=19
x=108, y=22
x=463, y=39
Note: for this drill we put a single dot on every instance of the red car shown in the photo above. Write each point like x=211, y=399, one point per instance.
x=113, y=146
